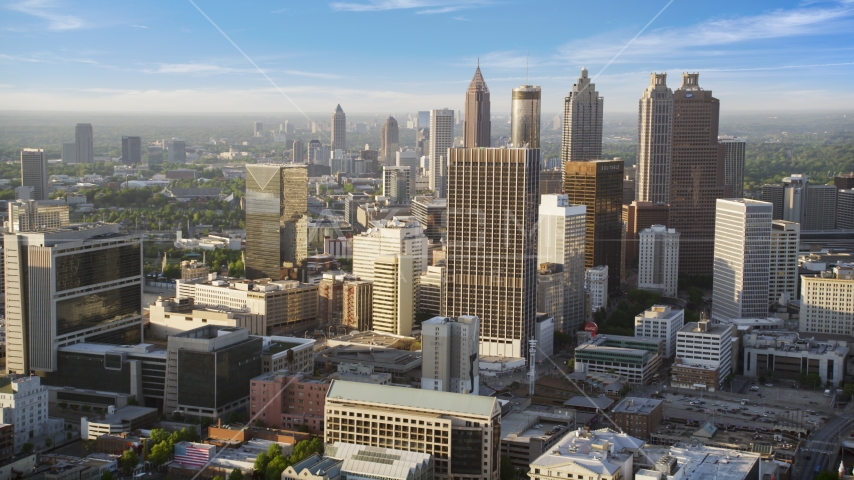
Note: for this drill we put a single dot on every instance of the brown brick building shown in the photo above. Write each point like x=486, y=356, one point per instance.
x=286, y=401
x=638, y=216
x=638, y=417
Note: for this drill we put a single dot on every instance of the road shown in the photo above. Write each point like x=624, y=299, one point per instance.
x=821, y=447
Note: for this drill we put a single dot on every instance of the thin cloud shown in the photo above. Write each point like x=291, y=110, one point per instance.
x=423, y=7
x=196, y=68
x=45, y=9
x=325, y=76
x=19, y=58
x=281, y=10
x=139, y=26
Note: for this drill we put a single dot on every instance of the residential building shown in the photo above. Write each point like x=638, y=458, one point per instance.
x=658, y=266
x=783, y=277
x=827, y=301
x=638, y=216
x=330, y=294
x=481, y=257
x=525, y=117
x=397, y=182
x=596, y=283
x=734, y=148
x=431, y=213
x=597, y=184
x=774, y=194
x=339, y=130
x=638, y=416
x=742, y=258
x=477, y=125
x=449, y=349
x=845, y=209
x=431, y=290
x=601, y=454
x=131, y=150
x=821, y=202
x=357, y=304
x=37, y=215
x=393, y=294
x=23, y=404
x=288, y=401
x=454, y=426
x=696, y=174
x=34, y=172
x=582, y=122
x=75, y=283
x=661, y=321
x=389, y=141
x=441, y=139
x=787, y=355
x=561, y=238
x=703, y=356
x=401, y=235
x=85, y=145
x=655, y=141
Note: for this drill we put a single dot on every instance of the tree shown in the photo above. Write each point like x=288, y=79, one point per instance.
x=176, y=416
x=848, y=391
x=107, y=475
x=349, y=188
x=235, y=474
x=508, y=471
x=158, y=435
x=129, y=461
x=160, y=453
x=695, y=295
x=305, y=448
x=234, y=417
x=28, y=447
x=303, y=428
x=276, y=467
x=261, y=462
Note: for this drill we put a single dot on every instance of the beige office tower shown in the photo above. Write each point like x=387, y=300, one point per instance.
x=658, y=263
x=477, y=127
x=339, y=130
x=389, y=141
x=449, y=349
x=696, y=175
x=357, y=304
x=525, y=117
x=393, y=295
x=562, y=234
x=491, y=251
x=400, y=235
x=431, y=290
x=32, y=215
x=783, y=278
x=827, y=301
x=441, y=139
x=655, y=128
x=734, y=149
x=582, y=122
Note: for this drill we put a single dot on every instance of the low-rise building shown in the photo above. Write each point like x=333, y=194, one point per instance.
x=638, y=416
x=703, y=356
x=404, y=366
x=788, y=355
x=288, y=401
x=356, y=372
x=243, y=457
x=23, y=404
x=348, y=460
x=170, y=316
x=113, y=422
x=293, y=354
x=527, y=435
x=698, y=462
x=634, y=365
x=601, y=454
x=661, y=321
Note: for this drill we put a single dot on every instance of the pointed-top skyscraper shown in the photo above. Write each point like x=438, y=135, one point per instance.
x=655, y=141
x=389, y=140
x=477, y=127
x=339, y=129
x=582, y=122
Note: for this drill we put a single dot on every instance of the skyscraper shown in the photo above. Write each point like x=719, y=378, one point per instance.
x=783, y=278
x=34, y=172
x=525, y=117
x=696, y=174
x=774, y=195
x=400, y=235
x=821, y=203
x=393, y=294
x=655, y=129
x=298, y=152
x=389, y=141
x=562, y=234
x=658, y=266
x=84, y=140
x=742, y=257
x=845, y=209
x=491, y=252
x=274, y=194
x=441, y=139
x=131, y=150
x=258, y=129
x=598, y=185
x=450, y=354
x=339, y=129
x=177, y=150
x=582, y=122
x=69, y=153
x=734, y=164
x=396, y=181
x=477, y=128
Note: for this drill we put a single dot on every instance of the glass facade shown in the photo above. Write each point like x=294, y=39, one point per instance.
x=466, y=446
x=197, y=378
x=88, y=311
x=87, y=372
x=97, y=266
x=129, y=335
x=215, y=379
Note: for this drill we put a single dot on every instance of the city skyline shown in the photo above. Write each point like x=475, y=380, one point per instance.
x=171, y=58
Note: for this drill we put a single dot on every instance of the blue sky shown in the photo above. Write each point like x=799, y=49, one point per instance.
x=397, y=56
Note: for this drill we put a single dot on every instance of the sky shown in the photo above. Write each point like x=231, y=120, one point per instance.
x=397, y=56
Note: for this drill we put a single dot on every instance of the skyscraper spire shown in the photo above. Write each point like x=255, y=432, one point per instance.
x=582, y=122
x=476, y=124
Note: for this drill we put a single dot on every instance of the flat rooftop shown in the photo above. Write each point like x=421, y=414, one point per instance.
x=412, y=398
x=636, y=405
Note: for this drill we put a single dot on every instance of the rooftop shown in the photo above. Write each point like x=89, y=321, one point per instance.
x=712, y=328
x=372, y=462
x=635, y=405
x=700, y=462
x=411, y=398
x=601, y=402
x=592, y=450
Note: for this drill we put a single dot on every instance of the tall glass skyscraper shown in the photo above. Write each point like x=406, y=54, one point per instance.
x=339, y=129
x=477, y=127
x=582, y=122
x=525, y=117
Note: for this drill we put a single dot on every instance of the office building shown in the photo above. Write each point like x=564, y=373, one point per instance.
x=177, y=150
x=154, y=156
x=357, y=304
x=661, y=321
x=489, y=272
x=821, y=203
x=596, y=285
x=449, y=349
x=298, y=152
x=845, y=209
x=783, y=277
x=431, y=213
x=774, y=194
x=286, y=400
x=389, y=141
x=658, y=264
x=597, y=184
x=274, y=194
x=69, y=153
x=602, y=454
x=844, y=181
x=655, y=141
x=525, y=117
x=431, y=290
x=407, y=158
x=32, y=215
x=396, y=184
x=734, y=164
x=257, y=129
x=827, y=301
x=787, y=355
x=168, y=316
x=71, y=284
x=400, y=235
x=550, y=290
x=582, y=122
x=551, y=182
x=638, y=216
x=562, y=235
x=394, y=292
x=330, y=295
x=795, y=198
x=441, y=139
x=703, y=356
x=460, y=431
x=339, y=130
x=696, y=174
x=477, y=126
x=742, y=259
x=528, y=434
x=633, y=359
x=131, y=150
x=23, y=404
x=85, y=144
x=34, y=172
x=637, y=416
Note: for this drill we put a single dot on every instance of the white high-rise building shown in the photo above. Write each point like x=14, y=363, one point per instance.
x=408, y=158
x=658, y=263
x=85, y=143
x=441, y=139
x=562, y=232
x=703, y=355
x=742, y=258
x=596, y=283
x=394, y=294
x=655, y=139
x=400, y=235
x=734, y=148
x=34, y=172
x=827, y=301
x=783, y=278
x=449, y=349
x=397, y=183
x=23, y=403
x=661, y=321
